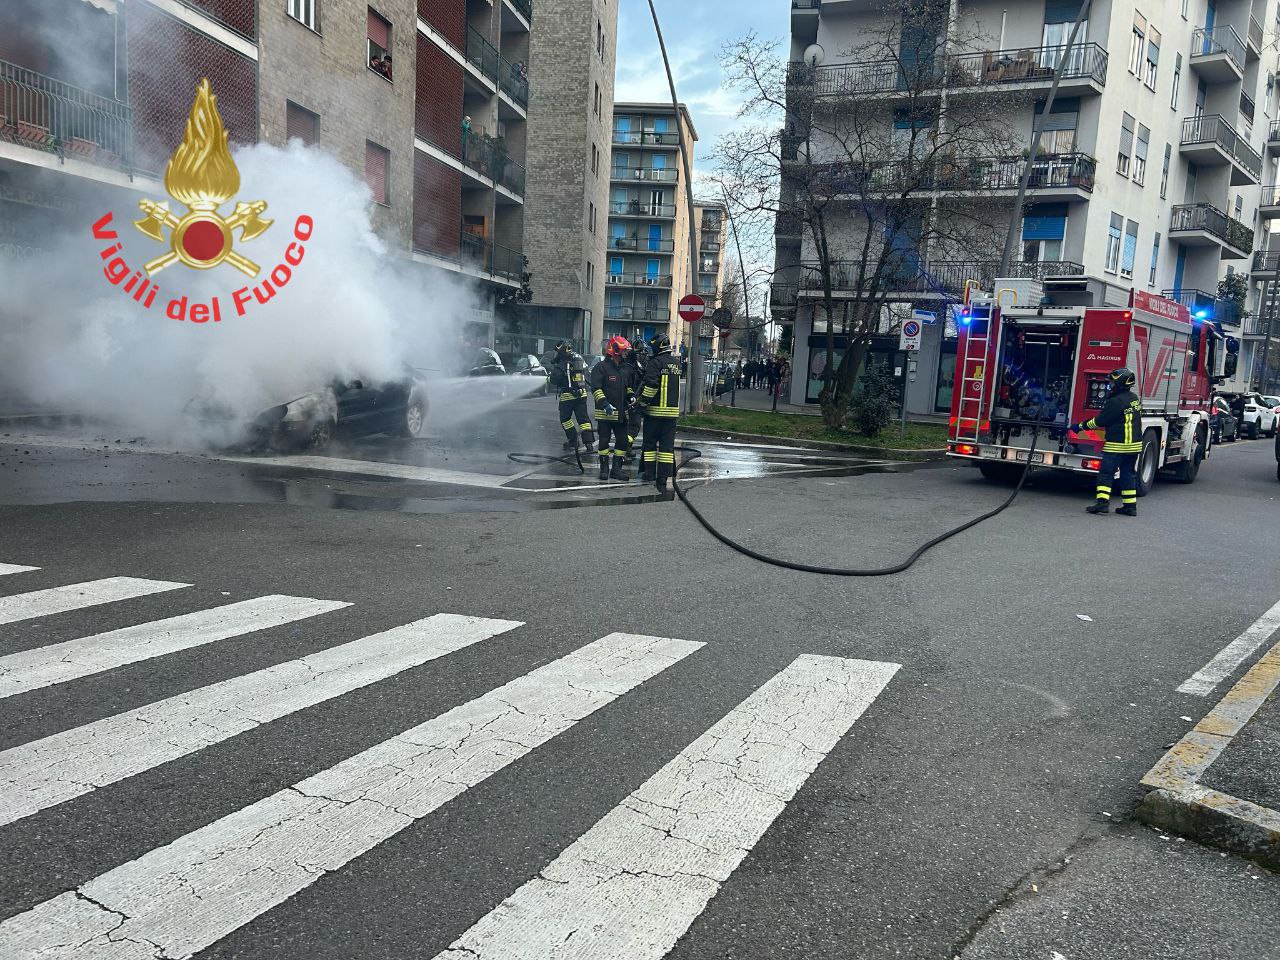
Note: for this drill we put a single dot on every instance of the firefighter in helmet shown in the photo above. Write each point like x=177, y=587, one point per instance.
x=637, y=358
x=568, y=377
x=660, y=399
x=1121, y=418
x=612, y=387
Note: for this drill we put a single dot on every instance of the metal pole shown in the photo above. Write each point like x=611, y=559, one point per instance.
x=695, y=357
x=742, y=266
x=1037, y=130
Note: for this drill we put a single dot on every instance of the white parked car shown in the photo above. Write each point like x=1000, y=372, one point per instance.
x=1260, y=416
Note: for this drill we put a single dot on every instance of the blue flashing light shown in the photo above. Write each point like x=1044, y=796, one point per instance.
x=965, y=318
x=1201, y=314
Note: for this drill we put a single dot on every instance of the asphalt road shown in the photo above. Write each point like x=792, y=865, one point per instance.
x=973, y=802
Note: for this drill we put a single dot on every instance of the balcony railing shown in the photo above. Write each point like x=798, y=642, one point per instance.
x=708, y=266
x=489, y=257
x=483, y=54
x=709, y=246
x=1223, y=39
x=650, y=138
x=976, y=174
x=1266, y=261
x=513, y=80
x=637, y=208
x=1273, y=132
x=1212, y=305
x=1214, y=128
x=644, y=174
x=486, y=156
x=1255, y=33
x=638, y=280
x=628, y=311
x=642, y=244
x=806, y=4
x=1208, y=218
x=991, y=68
x=525, y=7
x=783, y=296
x=1270, y=196
x=48, y=114
x=1246, y=106
x=942, y=276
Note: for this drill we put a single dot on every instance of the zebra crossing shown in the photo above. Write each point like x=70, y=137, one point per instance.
x=628, y=888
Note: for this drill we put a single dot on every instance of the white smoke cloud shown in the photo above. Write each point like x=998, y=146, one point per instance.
x=351, y=308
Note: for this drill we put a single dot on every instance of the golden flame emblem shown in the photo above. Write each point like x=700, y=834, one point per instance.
x=202, y=176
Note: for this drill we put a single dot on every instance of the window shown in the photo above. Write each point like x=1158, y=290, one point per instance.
x=600, y=39
x=1177, y=81
x=597, y=100
x=304, y=11
x=1126, y=145
x=1164, y=171
x=591, y=275
x=1239, y=206
x=301, y=124
x=377, y=160
x=1184, y=9
x=1153, y=57
x=1138, y=45
x=591, y=216
x=1140, y=156
x=379, y=44
x=1112, y=261
x=1130, y=249
x=595, y=161
x=1155, y=258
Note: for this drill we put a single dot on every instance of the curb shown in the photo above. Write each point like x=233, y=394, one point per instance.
x=43, y=419
x=1179, y=803
x=884, y=453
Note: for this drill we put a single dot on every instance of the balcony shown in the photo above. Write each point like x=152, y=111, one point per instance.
x=1203, y=224
x=638, y=280
x=783, y=297
x=1266, y=264
x=709, y=266
x=709, y=246
x=483, y=54
x=487, y=157
x=1209, y=305
x=1084, y=71
x=644, y=174
x=943, y=279
x=1246, y=108
x=788, y=227
x=1273, y=136
x=1209, y=140
x=1253, y=46
x=1269, y=202
x=46, y=114
x=1217, y=55
x=804, y=20
x=513, y=80
x=1064, y=177
x=485, y=256
x=637, y=208
x=525, y=7
x=645, y=138
x=642, y=244
x=638, y=313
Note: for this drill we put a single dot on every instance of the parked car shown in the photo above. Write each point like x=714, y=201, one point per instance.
x=1254, y=414
x=487, y=364
x=1223, y=422
x=1278, y=456
x=526, y=365
x=351, y=408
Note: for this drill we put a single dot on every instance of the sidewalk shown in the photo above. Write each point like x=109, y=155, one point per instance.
x=763, y=400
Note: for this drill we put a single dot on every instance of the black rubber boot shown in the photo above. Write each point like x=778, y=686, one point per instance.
x=1100, y=507
x=604, y=467
x=589, y=448
x=1128, y=510
x=647, y=474
x=568, y=446
x=618, y=470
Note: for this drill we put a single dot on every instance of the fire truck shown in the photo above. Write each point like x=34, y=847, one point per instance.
x=1029, y=363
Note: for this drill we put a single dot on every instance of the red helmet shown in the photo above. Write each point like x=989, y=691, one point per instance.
x=617, y=347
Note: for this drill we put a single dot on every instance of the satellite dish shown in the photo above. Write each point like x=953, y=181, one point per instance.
x=814, y=54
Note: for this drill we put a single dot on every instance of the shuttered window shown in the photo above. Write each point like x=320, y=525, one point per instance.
x=379, y=44
x=301, y=124
x=1130, y=249
x=376, y=161
x=1140, y=156
x=1126, y=144
x=304, y=11
x=379, y=30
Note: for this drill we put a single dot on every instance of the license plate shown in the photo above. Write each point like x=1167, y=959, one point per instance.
x=1035, y=457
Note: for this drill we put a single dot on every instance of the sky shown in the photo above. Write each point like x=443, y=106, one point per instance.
x=695, y=32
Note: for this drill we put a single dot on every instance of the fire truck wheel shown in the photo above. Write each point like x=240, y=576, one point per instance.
x=1186, y=471
x=999, y=472
x=1147, y=461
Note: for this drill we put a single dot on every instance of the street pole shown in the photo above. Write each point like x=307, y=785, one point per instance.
x=1037, y=131
x=695, y=356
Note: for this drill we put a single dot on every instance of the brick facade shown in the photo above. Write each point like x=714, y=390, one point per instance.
x=437, y=206
x=448, y=17
x=439, y=98
x=239, y=15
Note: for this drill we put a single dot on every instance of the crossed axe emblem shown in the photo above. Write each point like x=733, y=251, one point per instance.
x=247, y=217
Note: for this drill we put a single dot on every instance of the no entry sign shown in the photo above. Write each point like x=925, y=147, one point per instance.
x=692, y=308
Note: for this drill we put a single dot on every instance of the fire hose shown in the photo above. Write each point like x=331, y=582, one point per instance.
x=906, y=564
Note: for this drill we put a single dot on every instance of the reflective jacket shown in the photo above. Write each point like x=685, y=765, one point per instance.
x=611, y=384
x=661, y=391
x=1121, y=417
x=568, y=376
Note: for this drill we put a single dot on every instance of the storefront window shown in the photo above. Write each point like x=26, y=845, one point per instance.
x=946, y=378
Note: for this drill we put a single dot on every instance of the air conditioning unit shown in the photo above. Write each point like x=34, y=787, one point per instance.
x=615, y=278
x=639, y=173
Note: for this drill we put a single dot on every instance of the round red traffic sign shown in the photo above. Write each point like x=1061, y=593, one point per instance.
x=692, y=308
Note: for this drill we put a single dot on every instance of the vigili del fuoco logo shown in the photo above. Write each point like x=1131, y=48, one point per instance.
x=201, y=176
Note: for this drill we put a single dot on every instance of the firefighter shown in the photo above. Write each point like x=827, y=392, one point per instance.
x=638, y=357
x=568, y=377
x=613, y=387
x=660, y=398
x=1121, y=417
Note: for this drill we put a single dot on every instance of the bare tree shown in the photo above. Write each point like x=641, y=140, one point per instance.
x=896, y=161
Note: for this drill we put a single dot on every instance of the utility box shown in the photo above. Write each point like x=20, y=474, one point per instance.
x=1028, y=293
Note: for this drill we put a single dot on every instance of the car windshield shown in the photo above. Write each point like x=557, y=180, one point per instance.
x=1271, y=401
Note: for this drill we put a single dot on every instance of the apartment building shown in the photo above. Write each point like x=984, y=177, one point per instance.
x=648, y=268
x=567, y=197
x=710, y=220
x=427, y=101
x=1156, y=171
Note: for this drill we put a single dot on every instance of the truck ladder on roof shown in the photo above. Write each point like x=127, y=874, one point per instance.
x=972, y=388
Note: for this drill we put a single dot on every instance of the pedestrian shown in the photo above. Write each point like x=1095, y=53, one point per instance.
x=771, y=375
x=638, y=359
x=739, y=380
x=613, y=387
x=1121, y=418
x=568, y=377
x=660, y=399
x=466, y=134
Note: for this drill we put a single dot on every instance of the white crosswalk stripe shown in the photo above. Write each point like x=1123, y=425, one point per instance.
x=66, y=765
x=73, y=659
x=7, y=568
x=180, y=898
x=629, y=887
x=44, y=603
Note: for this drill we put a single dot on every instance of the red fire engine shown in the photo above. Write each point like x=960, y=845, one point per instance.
x=1029, y=371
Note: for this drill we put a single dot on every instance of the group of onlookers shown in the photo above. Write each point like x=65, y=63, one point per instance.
x=762, y=374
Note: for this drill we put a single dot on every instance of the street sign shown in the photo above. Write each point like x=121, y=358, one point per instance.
x=692, y=308
x=722, y=317
x=925, y=317
x=909, y=335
